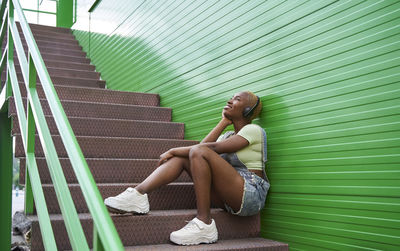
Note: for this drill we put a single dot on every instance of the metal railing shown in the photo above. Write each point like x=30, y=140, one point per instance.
x=105, y=236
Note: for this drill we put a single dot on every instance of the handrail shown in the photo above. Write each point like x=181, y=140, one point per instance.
x=105, y=234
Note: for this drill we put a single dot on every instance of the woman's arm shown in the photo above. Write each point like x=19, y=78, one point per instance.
x=232, y=144
x=218, y=129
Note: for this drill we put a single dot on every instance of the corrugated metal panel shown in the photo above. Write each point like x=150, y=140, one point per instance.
x=328, y=73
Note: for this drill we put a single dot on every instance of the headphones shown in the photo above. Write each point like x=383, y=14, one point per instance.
x=248, y=111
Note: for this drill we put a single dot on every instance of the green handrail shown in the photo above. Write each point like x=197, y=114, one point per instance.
x=105, y=236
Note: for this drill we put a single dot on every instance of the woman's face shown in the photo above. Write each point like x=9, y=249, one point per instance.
x=235, y=106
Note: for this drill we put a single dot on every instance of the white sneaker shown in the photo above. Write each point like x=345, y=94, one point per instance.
x=195, y=232
x=129, y=201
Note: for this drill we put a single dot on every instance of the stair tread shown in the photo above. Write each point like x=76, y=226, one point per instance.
x=103, y=170
x=105, y=110
x=231, y=244
x=109, y=147
x=96, y=94
x=176, y=195
x=155, y=227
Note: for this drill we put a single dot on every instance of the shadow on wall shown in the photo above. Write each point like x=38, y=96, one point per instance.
x=275, y=129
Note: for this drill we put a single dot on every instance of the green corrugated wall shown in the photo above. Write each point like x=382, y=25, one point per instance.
x=328, y=73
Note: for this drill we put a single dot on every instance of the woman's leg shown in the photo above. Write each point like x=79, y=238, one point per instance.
x=164, y=174
x=210, y=172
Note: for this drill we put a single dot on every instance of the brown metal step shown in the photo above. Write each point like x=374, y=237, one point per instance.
x=69, y=66
x=248, y=244
x=103, y=170
x=54, y=40
x=170, y=197
x=59, y=72
x=82, y=82
x=103, y=147
x=67, y=81
x=116, y=128
x=45, y=27
x=43, y=44
x=153, y=228
x=48, y=56
x=104, y=110
x=64, y=58
x=99, y=95
x=58, y=50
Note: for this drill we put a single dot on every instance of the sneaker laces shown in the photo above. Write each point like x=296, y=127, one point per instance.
x=125, y=193
x=192, y=225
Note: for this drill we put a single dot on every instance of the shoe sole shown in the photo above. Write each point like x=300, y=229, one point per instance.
x=119, y=211
x=193, y=243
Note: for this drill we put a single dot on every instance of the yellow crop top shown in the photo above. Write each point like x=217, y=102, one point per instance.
x=252, y=156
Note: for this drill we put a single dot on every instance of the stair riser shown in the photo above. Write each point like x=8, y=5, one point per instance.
x=49, y=35
x=53, y=35
x=123, y=148
x=97, y=110
x=170, y=197
x=54, y=31
x=154, y=228
x=48, y=45
x=99, y=95
x=46, y=36
x=116, y=128
x=59, y=50
x=46, y=28
x=103, y=170
x=69, y=59
x=54, y=72
x=78, y=82
x=54, y=57
x=69, y=66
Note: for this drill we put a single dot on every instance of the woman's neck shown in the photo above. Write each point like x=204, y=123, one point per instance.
x=239, y=124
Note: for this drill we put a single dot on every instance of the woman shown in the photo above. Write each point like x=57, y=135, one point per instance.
x=227, y=170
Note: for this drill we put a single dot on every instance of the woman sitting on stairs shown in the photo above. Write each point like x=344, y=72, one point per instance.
x=227, y=170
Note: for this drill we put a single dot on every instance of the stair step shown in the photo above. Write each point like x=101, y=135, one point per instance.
x=44, y=44
x=87, y=94
x=55, y=41
x=116, y=128
x=59, y=50
x=82, y=82
x=68, y=65
x=248, y=244
x=45, y=27
x=73, y=73
x=103, y=147
x=103, y=170
x=170, y=197
x=104, y=110
x=69, y=59
x=57, y=57
x=50, y=36
x=58, y=72
x=51, y=33
x=153, y=228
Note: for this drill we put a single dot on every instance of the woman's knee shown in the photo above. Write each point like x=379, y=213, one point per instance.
x=198, y=151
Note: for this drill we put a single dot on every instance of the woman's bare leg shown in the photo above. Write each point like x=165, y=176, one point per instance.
x=164, y=174
x=210, y=172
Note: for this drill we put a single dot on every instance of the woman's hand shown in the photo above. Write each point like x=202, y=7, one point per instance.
x=225, y=121
x=165, y=157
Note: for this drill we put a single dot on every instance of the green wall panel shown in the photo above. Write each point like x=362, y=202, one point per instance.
x=328, y=74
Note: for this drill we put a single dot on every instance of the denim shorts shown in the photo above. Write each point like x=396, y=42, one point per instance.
x=254, y=194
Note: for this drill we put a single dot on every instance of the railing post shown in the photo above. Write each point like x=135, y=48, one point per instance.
x=97, y=244
x=10, y=43
x=30, y=132
x=6, y=166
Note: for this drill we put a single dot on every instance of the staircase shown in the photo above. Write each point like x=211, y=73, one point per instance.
x=121, y=135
